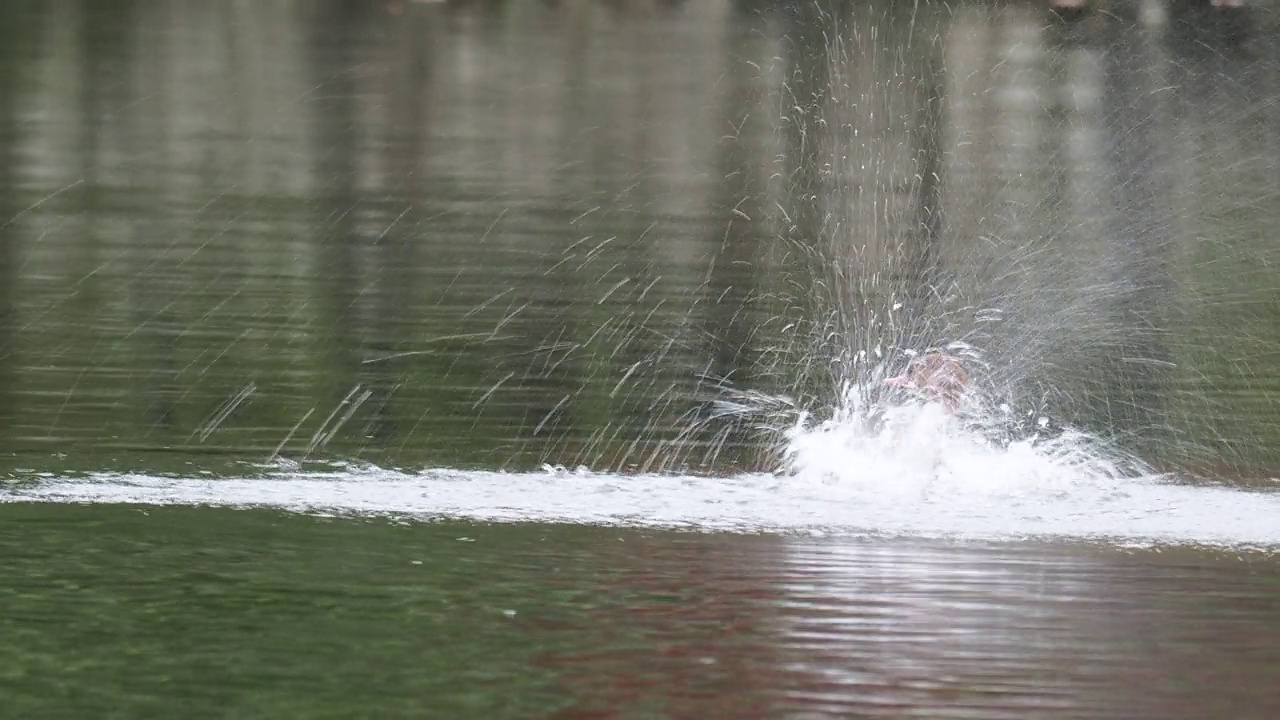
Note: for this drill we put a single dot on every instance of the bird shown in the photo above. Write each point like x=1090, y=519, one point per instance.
x=937, y=375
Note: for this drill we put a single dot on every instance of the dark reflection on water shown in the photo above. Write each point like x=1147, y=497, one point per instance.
x=204, y=612
x=462, y=234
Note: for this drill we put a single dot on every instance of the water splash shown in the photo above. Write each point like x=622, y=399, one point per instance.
x=880, y=440
x=1132, y=511
x=920, y=449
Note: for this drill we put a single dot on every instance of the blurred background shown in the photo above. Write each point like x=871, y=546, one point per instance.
x=501, y=234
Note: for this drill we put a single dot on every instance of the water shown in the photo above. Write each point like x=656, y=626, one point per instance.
x=343, y=248
x=971, y=501
x=256, y=613
x=403, y=358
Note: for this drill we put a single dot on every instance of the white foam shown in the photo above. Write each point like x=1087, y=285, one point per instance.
x=1127, y=510
x=912, y=470
x=921, y=450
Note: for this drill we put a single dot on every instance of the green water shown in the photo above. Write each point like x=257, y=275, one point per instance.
x=199, y=612
x=439, y=235
x=217, y=613
x=204, y=613
x=235, y=236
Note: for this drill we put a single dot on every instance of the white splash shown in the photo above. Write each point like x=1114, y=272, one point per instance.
x=1129, y=511
x=912, y=471
x=921, y=450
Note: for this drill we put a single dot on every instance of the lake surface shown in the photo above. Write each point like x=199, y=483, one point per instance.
x=116, y=611
x=402, y=359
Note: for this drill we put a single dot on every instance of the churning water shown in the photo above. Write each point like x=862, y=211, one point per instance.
x=919, y=473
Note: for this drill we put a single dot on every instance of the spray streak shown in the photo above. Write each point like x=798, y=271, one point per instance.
x=224, y=411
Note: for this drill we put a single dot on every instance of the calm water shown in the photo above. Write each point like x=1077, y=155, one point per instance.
x=297, y=299
x=238, y=613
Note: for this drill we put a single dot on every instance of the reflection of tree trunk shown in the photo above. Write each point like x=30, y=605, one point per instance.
x=335, y=131
x=807, y=91
x=563, y=420
x=111, y=52
x=738, y=205
x=737, y=209
x=1078, y=245
x=14, y=26
x=921, y=279
x=857, y=182
x=816, y=271
x=408, y=56
x=1143, y=238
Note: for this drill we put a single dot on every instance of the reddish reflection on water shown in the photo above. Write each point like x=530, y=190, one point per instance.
x=701, y=626
x=689, y=633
